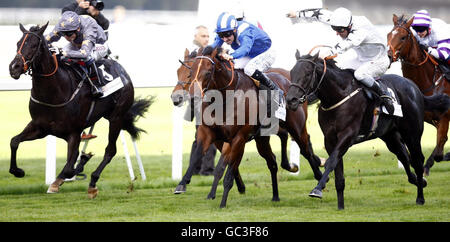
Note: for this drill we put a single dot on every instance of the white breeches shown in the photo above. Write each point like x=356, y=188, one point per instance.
x=261, y=62
x=372, y=69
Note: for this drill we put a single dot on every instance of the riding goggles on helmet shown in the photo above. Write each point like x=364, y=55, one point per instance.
x=68, y=33
x=225, y=34
x=339, y=29
x=420, y=29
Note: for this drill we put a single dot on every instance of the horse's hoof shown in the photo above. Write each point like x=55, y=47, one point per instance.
x=316, y=193
x=420, y=201
x=275, y=199
x=426, y=171
x=92, y=192
x=180, y=189
x=211, y=197
x=294, y=168
x=53, y=188
x=322, y=161
x=19, y=173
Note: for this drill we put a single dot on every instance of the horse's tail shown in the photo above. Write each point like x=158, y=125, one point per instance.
x=439, y=103
x=138, y=109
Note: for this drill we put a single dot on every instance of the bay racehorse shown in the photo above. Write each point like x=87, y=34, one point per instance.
x=215, y=76
x=422, y=69
x=180, y=93
x=346, y=117
x=61, y=104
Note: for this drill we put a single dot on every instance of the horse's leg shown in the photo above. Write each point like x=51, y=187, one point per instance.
x=218, y=173
x=115, y=125
x=233, y=159
x=417, y=158
x=301, y=137
x=264, y=149
x=441, y=139
x=31, y=132
x=336, y=149
x=204, y=139
x=68, y=171
x=284, y=135
x=395, y=145
x=339, y=182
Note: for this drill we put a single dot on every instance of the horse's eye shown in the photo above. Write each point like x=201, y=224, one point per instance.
x=403, y=38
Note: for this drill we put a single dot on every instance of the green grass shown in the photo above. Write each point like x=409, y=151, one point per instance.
x=376, y=190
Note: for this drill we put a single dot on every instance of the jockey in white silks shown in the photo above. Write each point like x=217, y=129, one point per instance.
x=252, y=51
x=433, y=34
x=359, y=34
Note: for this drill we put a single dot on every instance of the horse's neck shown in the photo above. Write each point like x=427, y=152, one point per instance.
x=45, y=85
x=419, y=74
x=335, y=86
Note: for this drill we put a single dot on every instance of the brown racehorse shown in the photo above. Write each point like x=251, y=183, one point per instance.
x=421, y=68
x=213, y=75
x=180, y=94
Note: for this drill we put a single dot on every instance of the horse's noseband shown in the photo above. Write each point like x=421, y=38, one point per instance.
x=308, y=91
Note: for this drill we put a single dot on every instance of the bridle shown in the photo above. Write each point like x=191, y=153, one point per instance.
x=410, y=39
x=307, y=92
x=213, y=69
x=30, y=62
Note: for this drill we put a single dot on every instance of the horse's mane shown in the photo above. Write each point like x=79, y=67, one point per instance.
x=209, y=49
x=402, y=20
x=341, y=76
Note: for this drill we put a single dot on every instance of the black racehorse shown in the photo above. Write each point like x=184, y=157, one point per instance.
x=346, y=115
x=61, y=104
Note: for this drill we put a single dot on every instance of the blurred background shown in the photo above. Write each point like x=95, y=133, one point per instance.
x=149, y=36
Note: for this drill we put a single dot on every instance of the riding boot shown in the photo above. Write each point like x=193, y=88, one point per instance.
x=258, y=75
x=385, y=97
x=96, y=91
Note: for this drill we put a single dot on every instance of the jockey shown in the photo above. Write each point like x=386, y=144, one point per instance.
x=251, y=47
x=83, y=33
x=432, y=33
x=357, y=33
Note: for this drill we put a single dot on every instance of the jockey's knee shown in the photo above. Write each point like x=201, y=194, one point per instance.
x=364, y=78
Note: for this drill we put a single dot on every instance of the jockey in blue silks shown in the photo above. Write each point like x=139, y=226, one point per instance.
x=251, y=47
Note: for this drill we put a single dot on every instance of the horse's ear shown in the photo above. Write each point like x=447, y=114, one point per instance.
x=42, y=29
x=316, y=56
x=408, y=24
x=186, y=54
x=395, y=19
x=200, y=51
x=297, y=55
x=22, y=28
x=215, y=52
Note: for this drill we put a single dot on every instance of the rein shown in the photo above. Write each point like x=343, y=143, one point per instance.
x=27, y=63
x=212, y=74
x=303, y=98
x=427, y=57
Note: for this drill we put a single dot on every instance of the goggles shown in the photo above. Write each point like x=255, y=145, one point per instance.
x=68, y=33
x=225, y=34
x=420, y=29
x=339, y=29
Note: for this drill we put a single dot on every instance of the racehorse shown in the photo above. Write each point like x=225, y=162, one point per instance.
x=420, y=67
x=214, y=75
x=180, y=94
x=61, y=104
x=346, y=116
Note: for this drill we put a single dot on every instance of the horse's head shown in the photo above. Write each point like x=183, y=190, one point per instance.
x=28, y=48
x=400, y=38
x=180, y=91
x=304, y=80
x=203, y=71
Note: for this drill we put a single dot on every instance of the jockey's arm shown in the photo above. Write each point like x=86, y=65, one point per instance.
x=245, y=47
x=355, y=38
x=83, y=53
x=442, y=51
x=53, y=36
x=311, y=14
